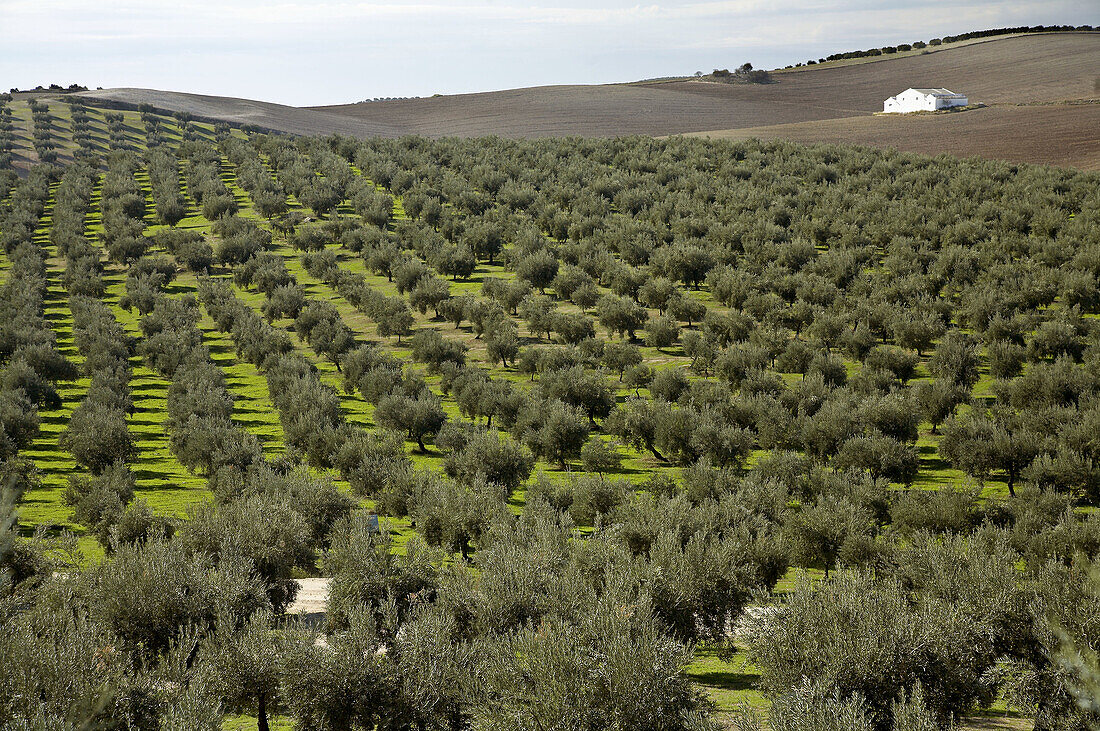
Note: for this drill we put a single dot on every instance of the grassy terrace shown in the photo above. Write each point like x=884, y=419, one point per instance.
x=934, y=472
x=46, y=505
x=161, y=481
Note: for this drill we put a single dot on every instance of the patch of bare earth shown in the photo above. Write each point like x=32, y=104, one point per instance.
x=997, y=723
x=312, y=599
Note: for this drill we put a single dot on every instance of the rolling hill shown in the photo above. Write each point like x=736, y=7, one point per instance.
x=1022, y=69
x=1050, y=74
x=275, y=117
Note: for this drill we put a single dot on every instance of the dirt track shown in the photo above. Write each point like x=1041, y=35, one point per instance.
x=312, y=598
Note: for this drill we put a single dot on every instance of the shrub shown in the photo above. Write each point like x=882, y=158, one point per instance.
x=899, y=646
x=97, y=437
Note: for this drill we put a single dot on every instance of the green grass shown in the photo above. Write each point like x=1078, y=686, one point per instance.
x=249, y=723
x=45, y=504
x=729, y=682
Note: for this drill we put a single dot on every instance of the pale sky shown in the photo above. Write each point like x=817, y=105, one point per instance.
x=336, y=51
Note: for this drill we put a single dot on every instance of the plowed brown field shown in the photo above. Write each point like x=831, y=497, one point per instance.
x=1063, y=134
x=1032, y=68
x=1025, y=79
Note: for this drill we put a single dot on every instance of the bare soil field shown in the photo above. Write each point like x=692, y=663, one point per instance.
x=1016, y=69
x=1019, y=69
x=598, y=111
x=1064, y=134
x=312, y=598
x=1026, y=80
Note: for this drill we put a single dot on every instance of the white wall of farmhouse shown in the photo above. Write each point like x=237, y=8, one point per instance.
x=923, y=100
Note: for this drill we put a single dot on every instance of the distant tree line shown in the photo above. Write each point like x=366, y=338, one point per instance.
x=744, y=73
x=902, y=47
x=51, y=87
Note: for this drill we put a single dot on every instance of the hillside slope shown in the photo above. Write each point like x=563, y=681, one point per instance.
x=1035, y=85
x=1021, y=69
x=278, y=117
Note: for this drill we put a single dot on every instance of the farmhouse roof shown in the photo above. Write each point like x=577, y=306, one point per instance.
x=937, y=92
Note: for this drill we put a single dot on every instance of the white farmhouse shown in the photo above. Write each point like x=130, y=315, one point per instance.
x=924, y=100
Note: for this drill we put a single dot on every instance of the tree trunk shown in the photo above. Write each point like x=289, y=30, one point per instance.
x=261, y=713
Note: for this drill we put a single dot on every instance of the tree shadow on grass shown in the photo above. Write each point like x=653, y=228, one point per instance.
x=153, y=479
x=623, y=470
x=726, y=679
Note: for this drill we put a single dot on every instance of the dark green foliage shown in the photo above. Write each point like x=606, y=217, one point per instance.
x=367, y=575
x=599, y=456
x=552, y=430
x=881, y=456
x=457, y=517
x=831, y=530
x=579, y=387
x=619, y=357
x=369, y=461
x=956, y=360
x=620, y=315
x=98, y=436
x=100, y=501
x=245, y=667
x=538, y=269
x=545, y=677
x=419, y=416
x=263, y=530
x=429, y=346
x=979, y=445
x=149, y=595
x=189, y=248
x=661, y=332
x=900, y=646
x=320, y=325
x=492, y=457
